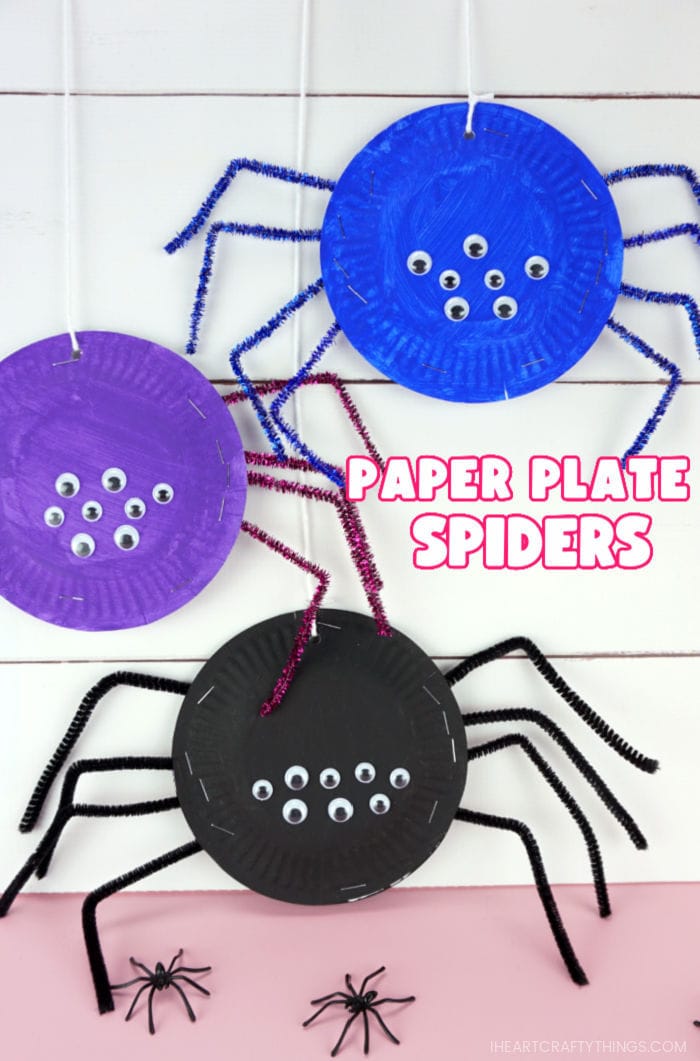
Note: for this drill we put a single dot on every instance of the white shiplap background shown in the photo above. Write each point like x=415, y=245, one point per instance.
x=167, y=91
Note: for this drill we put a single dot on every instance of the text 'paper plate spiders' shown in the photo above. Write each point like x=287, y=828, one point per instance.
x=341, y=791
x=470, y=268
x=123, y=480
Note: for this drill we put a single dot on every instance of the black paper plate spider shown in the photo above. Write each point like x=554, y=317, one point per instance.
x=355, y=1003
x=469, y=267
x=160, y=980
x=341, y=792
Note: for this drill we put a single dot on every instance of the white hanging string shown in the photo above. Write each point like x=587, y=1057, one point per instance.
x=68, y=204
x=472, y=97
x=304, y=35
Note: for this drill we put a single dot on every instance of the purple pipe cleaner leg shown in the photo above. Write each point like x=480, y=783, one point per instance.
x=668, y=366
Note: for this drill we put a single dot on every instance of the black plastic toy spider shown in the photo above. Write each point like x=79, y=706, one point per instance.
x=161, y=979
x=356, y=1003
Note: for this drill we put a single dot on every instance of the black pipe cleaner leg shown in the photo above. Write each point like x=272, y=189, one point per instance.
x=550, y=675
x=78, y=724
x=551, y=909
x=609, y=800
x=89, y=766
x=100, y=979
x=511, y=740
x=63, y=816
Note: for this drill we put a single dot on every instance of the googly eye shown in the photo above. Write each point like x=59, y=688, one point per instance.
x=419, y=263
x=126, y=538
x=135, y=508
x=163, y=493
x=379, y=803
x=456, y=309
x=67, y=485
x=537, y=267
x=340, y=810
x=92, y=511
x=505, y=307
x=449, y=279
x=494, y=279
x=296, y=777
x=54, y=517
x=365, y=773
x=295, y=811
x=262, y=789
x=475, y=246
x=399, y=778
x=114, y=480
x=329, y=778
x=82, y=545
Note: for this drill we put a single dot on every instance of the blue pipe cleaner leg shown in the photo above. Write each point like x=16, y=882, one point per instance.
x=686, y=228
x=236, y=166
x=280, y=235
x=647, y=351
x=285, y=394
x=664, y=169
x=258, y=337
x=668, y=298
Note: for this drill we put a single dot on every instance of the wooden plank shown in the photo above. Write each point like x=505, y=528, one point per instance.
x=538, y=46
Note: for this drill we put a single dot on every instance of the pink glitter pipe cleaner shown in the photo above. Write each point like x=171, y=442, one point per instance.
x=359, y=551
x=355, y=533
x=303, y=634
x=353, y=529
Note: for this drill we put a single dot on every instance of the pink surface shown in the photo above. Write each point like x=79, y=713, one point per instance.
x=481, y=962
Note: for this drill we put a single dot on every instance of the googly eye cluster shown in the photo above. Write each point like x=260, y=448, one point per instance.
x=476, y=247
x=340, y=808
x=113, y=481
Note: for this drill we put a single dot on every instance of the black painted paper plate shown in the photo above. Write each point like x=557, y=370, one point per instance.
x=342, y=791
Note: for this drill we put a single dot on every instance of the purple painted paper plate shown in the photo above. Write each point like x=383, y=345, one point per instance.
x=122, y=481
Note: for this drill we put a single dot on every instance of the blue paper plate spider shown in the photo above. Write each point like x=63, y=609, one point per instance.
x=471, y=268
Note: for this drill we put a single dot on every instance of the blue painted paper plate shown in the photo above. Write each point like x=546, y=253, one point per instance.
x=471, y=269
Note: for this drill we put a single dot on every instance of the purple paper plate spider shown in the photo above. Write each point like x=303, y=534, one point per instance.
x=124, y=480
x=471, y=268
x=333, y=786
